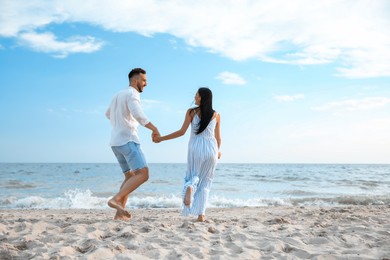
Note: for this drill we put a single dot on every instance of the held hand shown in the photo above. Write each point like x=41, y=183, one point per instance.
x=156, y=137
x=219, y=154
x=156, y=133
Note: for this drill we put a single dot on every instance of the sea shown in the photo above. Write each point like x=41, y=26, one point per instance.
x=90, y=185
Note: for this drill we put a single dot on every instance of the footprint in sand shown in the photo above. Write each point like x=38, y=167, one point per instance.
x=212, y=230
x=87, y=246
x=127, y=235
x=146, y=229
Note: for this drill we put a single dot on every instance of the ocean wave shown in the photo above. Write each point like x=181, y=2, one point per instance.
x=74, y=199
x=85, y=199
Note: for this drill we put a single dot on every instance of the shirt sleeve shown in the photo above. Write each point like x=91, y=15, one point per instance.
x=135, y=108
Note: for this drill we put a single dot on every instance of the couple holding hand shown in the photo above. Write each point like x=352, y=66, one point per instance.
x=125, y=114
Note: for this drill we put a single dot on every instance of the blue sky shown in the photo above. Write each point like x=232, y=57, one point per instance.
x=293, y=82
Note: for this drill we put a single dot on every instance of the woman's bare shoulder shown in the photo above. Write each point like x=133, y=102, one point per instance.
x=216, y=115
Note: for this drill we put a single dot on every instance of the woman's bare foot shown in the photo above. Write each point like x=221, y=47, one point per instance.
x=188, y=196
x=120, y=212
x=201, y=218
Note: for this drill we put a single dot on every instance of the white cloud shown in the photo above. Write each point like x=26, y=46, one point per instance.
x=362, y=63
x=48, y=43
x=284, y=98
x=230, y=78
x=18, y=16
x=354, y=104
x=350, y=33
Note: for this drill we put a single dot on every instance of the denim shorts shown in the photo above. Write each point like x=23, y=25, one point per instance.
x=129, y=156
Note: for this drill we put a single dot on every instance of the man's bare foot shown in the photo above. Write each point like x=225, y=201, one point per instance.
x=201, y=218
x=119, y=217
x=121, y=213
x=188, y=196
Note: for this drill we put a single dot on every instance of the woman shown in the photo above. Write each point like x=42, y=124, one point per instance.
x=203, y=151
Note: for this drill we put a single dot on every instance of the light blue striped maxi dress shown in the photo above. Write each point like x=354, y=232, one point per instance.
x=201, y=162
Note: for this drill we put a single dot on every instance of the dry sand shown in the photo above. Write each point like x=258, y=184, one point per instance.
x=350, y=232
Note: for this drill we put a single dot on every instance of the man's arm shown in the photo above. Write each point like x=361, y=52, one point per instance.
x=134, y=105
x=154, y=129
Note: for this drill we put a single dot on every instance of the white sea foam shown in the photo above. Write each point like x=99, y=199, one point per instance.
x=85, y=199
x=73, y=199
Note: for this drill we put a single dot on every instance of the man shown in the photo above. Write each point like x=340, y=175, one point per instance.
x=125, y=114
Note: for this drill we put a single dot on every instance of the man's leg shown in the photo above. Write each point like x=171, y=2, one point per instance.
x=134, y=159
x=121, y=213
x=128, y=175
x=141, y=176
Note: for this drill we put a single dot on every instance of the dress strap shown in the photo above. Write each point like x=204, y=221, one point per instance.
x=215, y=115
x=192, y=115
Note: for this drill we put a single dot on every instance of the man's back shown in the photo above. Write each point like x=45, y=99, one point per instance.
x=125, y=114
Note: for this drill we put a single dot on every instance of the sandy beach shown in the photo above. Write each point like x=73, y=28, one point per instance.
x=349, y=232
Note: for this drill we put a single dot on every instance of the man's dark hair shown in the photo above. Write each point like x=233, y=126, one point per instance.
x=135, y=72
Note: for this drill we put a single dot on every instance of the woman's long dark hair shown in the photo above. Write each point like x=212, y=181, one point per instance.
x=206, y=108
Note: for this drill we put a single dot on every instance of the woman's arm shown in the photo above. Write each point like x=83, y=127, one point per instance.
x=217, y=134
x=181, y=131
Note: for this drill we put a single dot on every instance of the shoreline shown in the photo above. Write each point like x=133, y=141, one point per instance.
x=312, y=232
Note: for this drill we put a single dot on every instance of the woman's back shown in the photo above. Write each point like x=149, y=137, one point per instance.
x=208, y=132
